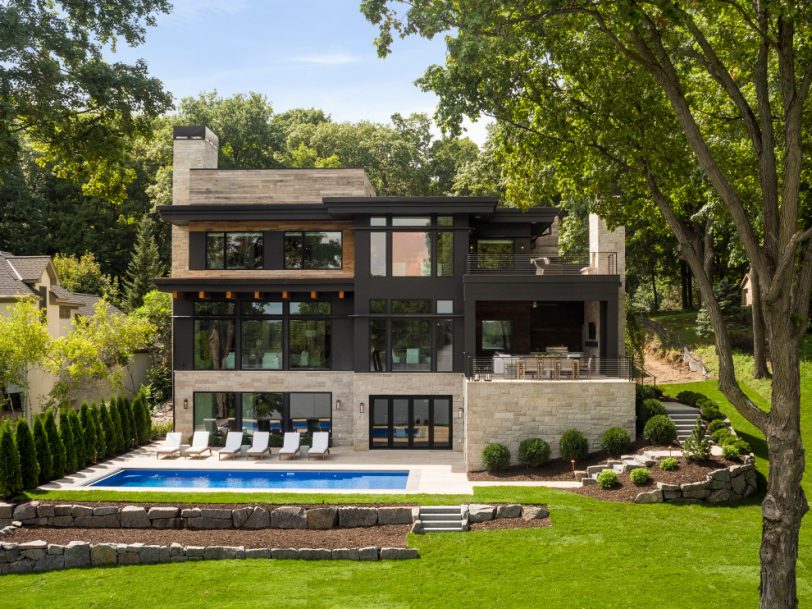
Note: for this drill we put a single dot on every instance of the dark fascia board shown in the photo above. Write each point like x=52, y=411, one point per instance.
x=183, y=214
x=540, y=287
x=169, y=284
x=544, y=215
x=348, y=206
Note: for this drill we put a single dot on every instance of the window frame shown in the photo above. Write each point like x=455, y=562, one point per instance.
x=225, y=237
x=303, y=247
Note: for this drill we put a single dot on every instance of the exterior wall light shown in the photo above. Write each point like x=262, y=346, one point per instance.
x=521, y=248
x=361, y=409
x=338, y=404
x=459, y=412
x=186, y=403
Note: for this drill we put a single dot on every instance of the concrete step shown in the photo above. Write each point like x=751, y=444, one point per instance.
x=440, y=509
x=439, y=517
x=457, y=529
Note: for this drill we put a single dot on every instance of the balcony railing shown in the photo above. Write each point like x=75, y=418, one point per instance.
x=550, y=368
x=597, y=263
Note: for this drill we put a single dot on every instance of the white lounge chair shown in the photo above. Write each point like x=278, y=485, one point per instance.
x=260, y=444
x=200, y=444
x=233, y=445
x=290, y=445
x=320, y=446
x=171, y=445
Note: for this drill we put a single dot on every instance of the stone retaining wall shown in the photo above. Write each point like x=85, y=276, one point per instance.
x=720, y=486
x=198, y=518
x=38, y=556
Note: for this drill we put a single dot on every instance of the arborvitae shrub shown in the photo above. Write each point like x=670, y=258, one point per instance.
x=648, y=408
x=125, y=415
x=11, y=480
x=56, y=446
x=29, y=466
x=573, y=445
x=716, y=425
x=88, y=431
x=44, y=457
x=78, y=438
x=138, y=419
x=118, y=434
x=108, y=431
x=146, y=414
x=98, y=430
x=68, y=441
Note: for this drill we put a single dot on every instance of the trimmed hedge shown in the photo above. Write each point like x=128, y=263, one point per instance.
x=616, y=441
x=690, y=397
x=660, y=430
x=573, y=445
x=534, y=452
x=495, y=457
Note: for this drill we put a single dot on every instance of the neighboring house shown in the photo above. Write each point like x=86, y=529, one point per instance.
x=746, y=288
x=303, y=301
x=36, y=277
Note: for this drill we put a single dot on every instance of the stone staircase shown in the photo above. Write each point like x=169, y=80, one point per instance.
x=684, y=418
x=440, y=519
x=626, y=463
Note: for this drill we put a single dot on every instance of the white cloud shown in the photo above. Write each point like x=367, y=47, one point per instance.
x=194, y=11
x=328, y=59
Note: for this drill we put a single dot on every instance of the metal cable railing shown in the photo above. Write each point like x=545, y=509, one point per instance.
x=549, y=367
x=597, y=263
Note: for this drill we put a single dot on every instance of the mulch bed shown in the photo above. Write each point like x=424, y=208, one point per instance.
x=689, y=471
x=230, y=506
x=501, y=524
x=392, y=536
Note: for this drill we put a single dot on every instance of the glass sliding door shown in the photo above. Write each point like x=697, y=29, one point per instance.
x=410, y=422
x=400, y=423
x=379, y=418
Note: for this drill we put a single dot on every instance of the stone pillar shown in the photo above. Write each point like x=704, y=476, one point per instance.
x=607, y=254
x=193, y=148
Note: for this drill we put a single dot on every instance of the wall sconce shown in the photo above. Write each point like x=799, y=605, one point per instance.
x=229, y=295
x=186, y=403
x=284, y=294
x=341, y=295
x=361, y=409
x=338, y=404
x=314, y=295
x=201, y=295
x=459, y=412
x=522, y=247
x=257, y=295
x=471, y=248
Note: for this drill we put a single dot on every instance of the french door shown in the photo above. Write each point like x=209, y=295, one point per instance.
x=410, y=422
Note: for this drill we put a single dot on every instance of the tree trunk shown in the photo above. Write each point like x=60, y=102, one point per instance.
x=656, y=306
x=760, y=369
x=785, y=503
x=685, y=284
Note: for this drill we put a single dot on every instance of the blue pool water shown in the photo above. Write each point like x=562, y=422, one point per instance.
x=241, y=479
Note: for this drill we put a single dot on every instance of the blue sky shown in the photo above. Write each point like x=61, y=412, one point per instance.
x=299, y=53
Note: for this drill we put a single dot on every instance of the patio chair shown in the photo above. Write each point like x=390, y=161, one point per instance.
x=290, y=445
x=233, y=445
x=568, y=366
x=260, y=444
x=171, y=445
x=320, y=446
x=200, y=444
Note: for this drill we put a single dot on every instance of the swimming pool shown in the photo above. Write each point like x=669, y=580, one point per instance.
x=247, y=479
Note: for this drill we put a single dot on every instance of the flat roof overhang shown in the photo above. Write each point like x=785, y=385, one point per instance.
x=351, y=206
x=171, y=284
x=183, y=214
x=540, y=287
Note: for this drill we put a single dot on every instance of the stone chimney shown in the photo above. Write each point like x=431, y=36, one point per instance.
x=194, y=147
x=607, y=253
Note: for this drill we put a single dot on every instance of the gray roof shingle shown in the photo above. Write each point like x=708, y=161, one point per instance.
x=29, y=268
x=11, y=286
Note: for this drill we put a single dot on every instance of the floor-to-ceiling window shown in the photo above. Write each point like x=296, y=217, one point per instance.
x=410, y=422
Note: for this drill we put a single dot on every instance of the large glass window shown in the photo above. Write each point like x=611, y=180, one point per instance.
x=445, y=254
x=377, y=346
x=411, y=221
x=214, y=344
x=261, y=344
x=215, y=412
x=411, y=254
x=411, y=344
x=402, y=306
x=377, y=305
x=313, y=250
x=262, y=412
x=309, y=343
x=444, y=342
x=496, y=335
x=310, y=308
x=258, y=307
x=494, y=254
x=377, y=254
x=214, y=307
x=310, y=412
x=234, y=250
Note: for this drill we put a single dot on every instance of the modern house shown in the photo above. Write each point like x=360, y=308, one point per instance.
x=303, y=301
x=35, y=277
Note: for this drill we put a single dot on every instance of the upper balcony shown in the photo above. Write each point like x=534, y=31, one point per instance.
x=596, y=263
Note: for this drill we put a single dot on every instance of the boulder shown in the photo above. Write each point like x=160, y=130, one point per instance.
x=368, y=553
x=667, y=487
x=150, y=555
x=190, y=513
x=257, y=552
x=175, y=549
x=671, y=495
x=696, y=494
x=234, y=551
x=77, y=555
x=738, y=484
x=240, y=516
x=134, y=517
x=61, y=521
x=105, y=510
x=202, y=523
x=103, y=554
x=195, y=552
x=26, y=511
x=514, y=510
x=215, y=513
x=214, y=553
x=314, y=554
x=51, y=562
x=394, y=515
x=399, y=553
x=167, y=523
x=722, y=496
x=322, y=518
x=129, y=557
x=81, y=510
x=62, y=510
x=344, y=554
x=289, y=517
x=352, y=517
x=35, y=550
x=159, y=513
x=45, y=511
x=284, y=553
x=111, y=521
x=6, y=511
x=720, y=474
x=478, y=512
x=649, y=497
x=260, y=518
x=54, y=548
x=534, y=512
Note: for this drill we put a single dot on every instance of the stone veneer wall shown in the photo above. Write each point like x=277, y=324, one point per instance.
x=350, y=425
x=509, y=412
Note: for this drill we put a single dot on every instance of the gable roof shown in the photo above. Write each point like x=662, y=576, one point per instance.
x=88, y=302
x=11, y=284
x=30, y=268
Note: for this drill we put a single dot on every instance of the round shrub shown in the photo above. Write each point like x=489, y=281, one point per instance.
x=730, y=451
x=689, y=397
x=660, y=430
x=669, y=464
x=719, y=435
x=607, y=479
x=495, y=457
x=534, y=452
x=616, y=441
x=740, y=445
x=643, y=392
x=711, y=412
x=716, y=425
x=640, y=475
x=573, y=445
x=648, y=408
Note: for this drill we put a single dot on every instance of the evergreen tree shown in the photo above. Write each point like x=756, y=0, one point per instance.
x=86, y=422
x=98, y=432
x=79, y=439
x=108, y=431
x=28, y=454
x=68, y=441
x=118, y=434
x=126, y=416
x=56, y=446
x=141, y=418
x=44, y=457
x=145, y=265
x=11, y=480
